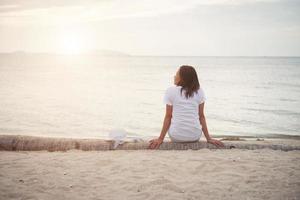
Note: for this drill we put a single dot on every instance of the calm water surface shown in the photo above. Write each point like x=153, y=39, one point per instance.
x=88, y=96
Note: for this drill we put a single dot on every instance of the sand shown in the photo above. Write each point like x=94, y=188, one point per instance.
x=151, y=174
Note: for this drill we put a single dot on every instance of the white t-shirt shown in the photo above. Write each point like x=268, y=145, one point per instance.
x=185, y=124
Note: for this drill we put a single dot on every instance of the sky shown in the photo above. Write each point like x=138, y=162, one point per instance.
x=153, y=27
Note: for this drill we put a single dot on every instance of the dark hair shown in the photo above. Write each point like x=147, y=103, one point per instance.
x=188, y=80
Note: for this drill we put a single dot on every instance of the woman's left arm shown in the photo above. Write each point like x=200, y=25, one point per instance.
x=155, y=143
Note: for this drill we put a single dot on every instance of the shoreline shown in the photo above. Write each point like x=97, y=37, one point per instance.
x=267, y=136
x=37, y=143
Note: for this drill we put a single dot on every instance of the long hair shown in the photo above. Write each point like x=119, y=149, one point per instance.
x=188, y=80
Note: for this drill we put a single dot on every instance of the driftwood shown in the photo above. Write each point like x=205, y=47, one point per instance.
x=34, y=143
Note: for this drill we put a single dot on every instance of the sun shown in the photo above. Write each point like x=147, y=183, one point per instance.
x=72, y=42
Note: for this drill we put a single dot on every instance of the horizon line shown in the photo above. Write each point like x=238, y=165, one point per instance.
x=143, y=55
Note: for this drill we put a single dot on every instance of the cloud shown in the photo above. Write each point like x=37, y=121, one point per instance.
x=62, y=12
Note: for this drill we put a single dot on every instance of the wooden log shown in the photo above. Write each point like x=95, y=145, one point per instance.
x=34, y=143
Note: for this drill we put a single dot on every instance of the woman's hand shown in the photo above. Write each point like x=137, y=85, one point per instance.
x=218, y=143
x=155, y=143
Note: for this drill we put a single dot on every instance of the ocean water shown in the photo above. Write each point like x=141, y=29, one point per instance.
x=86, y=97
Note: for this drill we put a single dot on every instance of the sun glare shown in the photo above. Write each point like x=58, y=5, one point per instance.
x=73, y=42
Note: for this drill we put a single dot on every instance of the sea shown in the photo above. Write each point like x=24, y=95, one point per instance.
x=89, y=96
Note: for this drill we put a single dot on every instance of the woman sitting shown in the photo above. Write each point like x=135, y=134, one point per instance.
x=184, y=119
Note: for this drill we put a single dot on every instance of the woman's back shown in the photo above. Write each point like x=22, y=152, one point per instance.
x=185, y=124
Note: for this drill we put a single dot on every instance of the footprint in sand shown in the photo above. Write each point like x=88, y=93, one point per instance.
x=103, y=163
x=153, y=183
x=200, y=167
x=173, y=188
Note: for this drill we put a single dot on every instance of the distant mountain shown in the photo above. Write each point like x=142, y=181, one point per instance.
x=90, y=53
x=21, y=58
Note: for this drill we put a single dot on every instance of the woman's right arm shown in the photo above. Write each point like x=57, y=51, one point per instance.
x=205, y=129
x=203, y=121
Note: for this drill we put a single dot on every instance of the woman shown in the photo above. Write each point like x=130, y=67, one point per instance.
x=184, y=118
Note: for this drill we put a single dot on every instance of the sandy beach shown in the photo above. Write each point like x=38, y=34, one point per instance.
x=151, y=174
